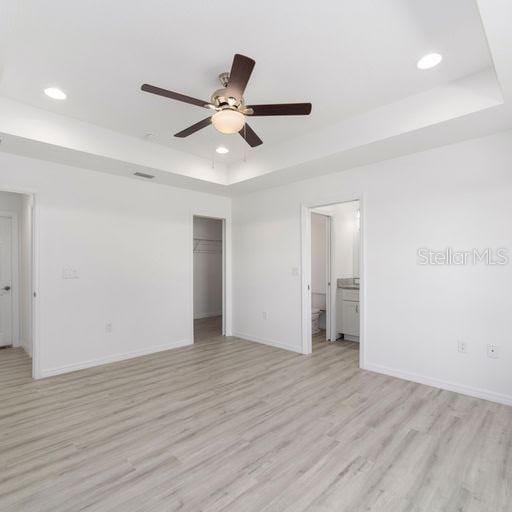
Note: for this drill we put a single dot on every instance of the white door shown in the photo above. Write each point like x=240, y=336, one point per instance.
x=5, y=281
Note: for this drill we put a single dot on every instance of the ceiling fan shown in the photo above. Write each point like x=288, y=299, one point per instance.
x=229, y=104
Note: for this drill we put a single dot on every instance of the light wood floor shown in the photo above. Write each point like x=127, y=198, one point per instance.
x=208, y=329
x=229, y=425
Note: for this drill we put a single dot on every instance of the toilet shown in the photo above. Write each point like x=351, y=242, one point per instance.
x=315, y=321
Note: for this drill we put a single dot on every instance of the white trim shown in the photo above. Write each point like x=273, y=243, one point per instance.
x=36, y=349
x=227, y=244
x=191, y=278
x=306, y=280
x=16, y=291
x=329, y=285
x=113, y=358
x=441, y=384
x=198, y=316
x=223, y=277
x=266, y=341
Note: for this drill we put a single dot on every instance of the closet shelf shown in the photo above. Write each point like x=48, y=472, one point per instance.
x=207, y=246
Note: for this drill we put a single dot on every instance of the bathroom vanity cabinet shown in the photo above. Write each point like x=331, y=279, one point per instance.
x=347, y=313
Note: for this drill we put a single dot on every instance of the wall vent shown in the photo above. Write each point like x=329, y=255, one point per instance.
x=143, y=175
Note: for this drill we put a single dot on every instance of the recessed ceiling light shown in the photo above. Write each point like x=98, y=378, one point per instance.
x=429, y=61
x=222, y=150
x=55, y=93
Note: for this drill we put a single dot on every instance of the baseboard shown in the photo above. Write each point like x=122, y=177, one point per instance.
x=198, y=316
x=264, y=341
x=441, y=384
x=50, y=372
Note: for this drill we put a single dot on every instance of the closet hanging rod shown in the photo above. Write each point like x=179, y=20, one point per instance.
x=207, y=239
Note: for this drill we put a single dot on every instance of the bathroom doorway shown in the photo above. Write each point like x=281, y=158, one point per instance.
x=332, y=259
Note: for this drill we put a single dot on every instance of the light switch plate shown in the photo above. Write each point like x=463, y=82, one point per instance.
x=69, y=273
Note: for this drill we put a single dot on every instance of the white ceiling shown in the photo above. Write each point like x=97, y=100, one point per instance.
x=355, y=60
x=344, y=56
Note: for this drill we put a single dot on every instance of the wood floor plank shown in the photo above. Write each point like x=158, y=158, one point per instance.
x=229, y=425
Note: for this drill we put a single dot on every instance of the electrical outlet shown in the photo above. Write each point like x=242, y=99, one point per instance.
x=462, y=347
x=108, y=327
x=264, y=315
x=69, y=273
x=492, y=351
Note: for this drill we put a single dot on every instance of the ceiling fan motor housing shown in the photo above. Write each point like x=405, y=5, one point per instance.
x=224, y=98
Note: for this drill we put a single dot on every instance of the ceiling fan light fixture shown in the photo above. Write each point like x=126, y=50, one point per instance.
x=228, y=121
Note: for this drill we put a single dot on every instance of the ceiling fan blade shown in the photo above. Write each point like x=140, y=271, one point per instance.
x=250, y=136
x=173, y=95
x=281, y=109
x=194, y=128
x=240, y=73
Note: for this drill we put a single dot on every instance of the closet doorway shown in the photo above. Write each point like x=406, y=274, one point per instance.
x=209, y=271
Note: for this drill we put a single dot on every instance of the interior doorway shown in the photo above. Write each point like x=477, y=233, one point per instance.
x=209, y=281
x=332, y=275
x=16, y=263
x=7, y=247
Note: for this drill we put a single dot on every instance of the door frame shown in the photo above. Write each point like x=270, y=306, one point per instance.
x=15, y=283
x=330, y=296
x=305, y=313
x=226, y=272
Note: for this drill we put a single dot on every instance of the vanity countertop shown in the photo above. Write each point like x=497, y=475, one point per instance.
x=348, y=283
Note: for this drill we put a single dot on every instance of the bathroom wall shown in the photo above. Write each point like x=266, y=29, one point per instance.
x=318, y=259
x=346, y=238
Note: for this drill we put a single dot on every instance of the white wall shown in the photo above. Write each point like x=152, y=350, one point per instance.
x=454, y=196
x=207, y=267
x=20, y=285
x=10, y=202
x=346, y=238
x=318, y=253
x=130, y=244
